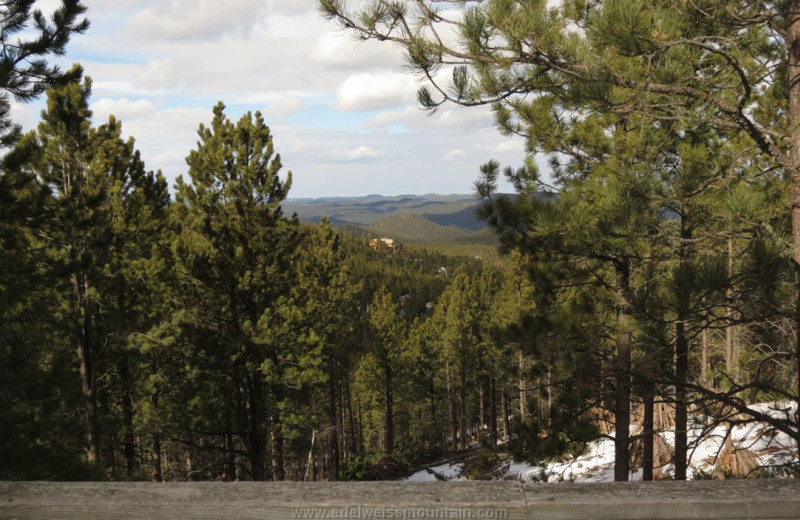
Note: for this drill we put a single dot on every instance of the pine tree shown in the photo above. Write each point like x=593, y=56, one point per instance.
x=695, y=68
x=236, y=248
x=386, y=335
x=137, y=208
x=455, y=319
x=513, y=308
x=25, y=71
x=103, y=212
x=25, y=75
x=323, y=322
x=80, y=230
x=427, y=392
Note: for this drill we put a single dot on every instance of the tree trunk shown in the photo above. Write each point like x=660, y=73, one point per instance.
x=310, y=461
x=129, y=449
x=682, y=354
x=333, y=416
x=432, y=400
x=506, y=420
x=493, y=407
x=343, y=440
x=793, y=46
x=278, y=464
x=360, y=426
x=389, y=419
x=648, y=435
x=523, y=410
x=254, y=438
x=462, y=405
x=731, y=350
x=481, y=407
x=451, y=399
x=84, y=333
x=155, y=451
x=126, y=383
x=622, y=376
x=230, y=456
x=705, y=370
x=549, y=392
x=353, y=437
x=156, y=454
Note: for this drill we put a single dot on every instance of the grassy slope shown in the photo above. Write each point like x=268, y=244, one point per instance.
x=417, y=229
x=450, y=240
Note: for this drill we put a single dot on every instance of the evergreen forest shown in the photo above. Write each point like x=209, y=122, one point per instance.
x=199, y=332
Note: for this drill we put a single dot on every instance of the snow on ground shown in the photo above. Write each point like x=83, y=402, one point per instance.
x=705, y=445
x=445, y=471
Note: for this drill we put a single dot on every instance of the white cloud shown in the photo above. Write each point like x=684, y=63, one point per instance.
x=284, y=107
x=191, y=19
x=123, y=109
x=168, y=74
x=279, y=56
x=370, y=91
x=247, y=70
x=338, y=49
x=166, y=137
x=415, y=118
x=23, y=115
x=360, y=154
x=292, y=6
x=173, y=157
x=510, y=145
x=102, y=6
x=287, y=24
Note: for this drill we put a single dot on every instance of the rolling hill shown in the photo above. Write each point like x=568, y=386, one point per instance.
x=443, y=222
x=445, y=210
x=416, y=229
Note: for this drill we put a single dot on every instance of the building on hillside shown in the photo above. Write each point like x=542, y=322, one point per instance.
x=388, y=242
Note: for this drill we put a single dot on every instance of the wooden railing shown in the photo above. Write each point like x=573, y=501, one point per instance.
x=729, y=500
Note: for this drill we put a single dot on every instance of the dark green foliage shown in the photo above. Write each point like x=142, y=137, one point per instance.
x=235, y=250
x=664, y=123
x=29, y=37
x=213, y=337
x=419, y=230
x=482, y=465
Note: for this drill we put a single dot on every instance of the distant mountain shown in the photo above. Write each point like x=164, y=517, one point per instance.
x=464, y=218
x=443, y=222
x=445, y=210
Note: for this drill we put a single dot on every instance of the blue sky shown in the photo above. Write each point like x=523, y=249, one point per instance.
x=342, y=112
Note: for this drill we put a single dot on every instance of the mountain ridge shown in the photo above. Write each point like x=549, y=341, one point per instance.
x=431, y=220
x=442, y=209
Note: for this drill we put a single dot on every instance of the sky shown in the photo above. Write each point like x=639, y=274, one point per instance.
x=343, y=112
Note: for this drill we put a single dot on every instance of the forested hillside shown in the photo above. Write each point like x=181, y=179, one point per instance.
x=647, y=296
x=204, y=335
x=444, y=223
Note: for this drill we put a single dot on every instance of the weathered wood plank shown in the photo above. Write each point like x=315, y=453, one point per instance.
x=756, y=499
x=731, y=499
x=246, y=500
